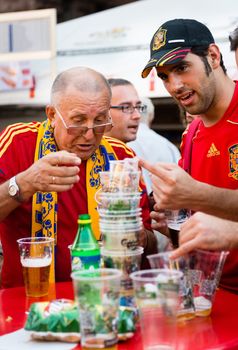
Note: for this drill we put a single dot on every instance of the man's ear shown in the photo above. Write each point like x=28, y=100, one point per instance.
x=50, y=112
x=214, y=56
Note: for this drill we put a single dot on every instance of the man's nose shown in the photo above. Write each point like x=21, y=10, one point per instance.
x=89, y=134
x=175, y=83
x=135, y=114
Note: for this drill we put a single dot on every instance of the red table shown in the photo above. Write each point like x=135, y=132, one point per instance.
x=217, y=332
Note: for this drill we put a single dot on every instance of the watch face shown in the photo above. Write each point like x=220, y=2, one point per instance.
x=12, y=190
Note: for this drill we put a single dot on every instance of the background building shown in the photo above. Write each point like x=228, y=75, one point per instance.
x=116, y=42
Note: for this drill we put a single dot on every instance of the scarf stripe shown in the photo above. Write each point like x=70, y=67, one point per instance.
x=44, y=204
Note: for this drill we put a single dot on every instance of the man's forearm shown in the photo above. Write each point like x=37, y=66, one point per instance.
x=216, y=201
x=7, y=204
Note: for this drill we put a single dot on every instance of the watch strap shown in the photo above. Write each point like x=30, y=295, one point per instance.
x=14, y=190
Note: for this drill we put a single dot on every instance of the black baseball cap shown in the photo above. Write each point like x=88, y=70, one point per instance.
x=174, y=40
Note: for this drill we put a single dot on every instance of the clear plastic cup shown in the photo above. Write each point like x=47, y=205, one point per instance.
x=122, y=224
x=120, y=240
x=36, y=256
x=97, y=293
x=125, y=181
x=186, y=310
x=205, y=272
x=157, y=298
x=121, y=219
x=119, y=213
x=118, y=201
x=127, y=262
x=127, y=164
x=175, y=218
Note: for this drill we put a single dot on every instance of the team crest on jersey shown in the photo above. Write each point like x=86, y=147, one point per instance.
x=159, y=39
x=233, y=153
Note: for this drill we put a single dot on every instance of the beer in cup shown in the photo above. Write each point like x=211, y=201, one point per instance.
x=36, y=257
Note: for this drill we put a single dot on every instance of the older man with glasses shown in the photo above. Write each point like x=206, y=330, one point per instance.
x=49, y=172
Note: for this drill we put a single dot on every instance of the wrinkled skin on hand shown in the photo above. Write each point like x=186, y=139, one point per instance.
x=57, y=171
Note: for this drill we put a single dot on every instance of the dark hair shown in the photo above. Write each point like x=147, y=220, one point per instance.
x=118, y=82
x=233, y=37
x=202, y=51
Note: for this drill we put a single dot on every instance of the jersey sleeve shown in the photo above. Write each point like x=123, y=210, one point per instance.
x=183, y=141
x=17, y=145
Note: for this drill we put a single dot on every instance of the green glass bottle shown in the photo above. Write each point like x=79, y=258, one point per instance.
x=85, y=251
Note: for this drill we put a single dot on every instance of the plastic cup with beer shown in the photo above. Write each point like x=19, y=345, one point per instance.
x=175, y=218
x=205, y=272
x=97, y=294
x=157, y=299
x=36, y=257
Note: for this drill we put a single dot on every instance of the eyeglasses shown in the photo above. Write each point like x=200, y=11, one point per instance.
x=81, y=130
x=129, y=109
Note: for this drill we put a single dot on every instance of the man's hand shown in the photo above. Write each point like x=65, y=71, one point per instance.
x=58, y=171
x=172, y=187
x=148, y=241
x=207, y=232
x=143, y=238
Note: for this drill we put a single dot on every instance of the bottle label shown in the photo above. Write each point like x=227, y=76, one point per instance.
x=76, y=263
x=85, y=262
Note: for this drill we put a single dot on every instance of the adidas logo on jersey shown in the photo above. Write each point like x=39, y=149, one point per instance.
x=213, y=151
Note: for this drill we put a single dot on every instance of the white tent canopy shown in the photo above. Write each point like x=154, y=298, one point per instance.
x=116, y=41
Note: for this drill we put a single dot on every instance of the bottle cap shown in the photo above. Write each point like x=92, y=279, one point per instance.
x=84, y=219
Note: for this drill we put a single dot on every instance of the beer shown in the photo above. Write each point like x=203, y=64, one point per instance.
x=185, y=315
x=203, y=306
x=36, y=275
x=174, y=236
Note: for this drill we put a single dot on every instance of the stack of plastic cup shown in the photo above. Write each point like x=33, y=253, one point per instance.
x=120, y=222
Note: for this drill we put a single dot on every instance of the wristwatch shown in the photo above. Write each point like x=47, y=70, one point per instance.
x=13, y=189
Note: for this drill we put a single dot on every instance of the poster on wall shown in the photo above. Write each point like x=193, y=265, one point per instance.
x=15, y=76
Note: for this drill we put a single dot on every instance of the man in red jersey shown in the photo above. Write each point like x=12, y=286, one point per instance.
x=188, y=61
x=204, y=231
x=49, y=172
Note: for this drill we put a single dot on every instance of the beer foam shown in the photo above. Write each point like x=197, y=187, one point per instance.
x=202, y=303
x=36, y=262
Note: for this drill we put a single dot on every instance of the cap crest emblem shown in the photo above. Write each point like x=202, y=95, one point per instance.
x=159, y=39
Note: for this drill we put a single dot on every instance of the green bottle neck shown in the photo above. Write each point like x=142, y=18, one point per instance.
x=85, y=238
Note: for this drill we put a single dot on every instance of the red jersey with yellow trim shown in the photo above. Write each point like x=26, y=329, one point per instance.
x=215, y=161
x=17, y=149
